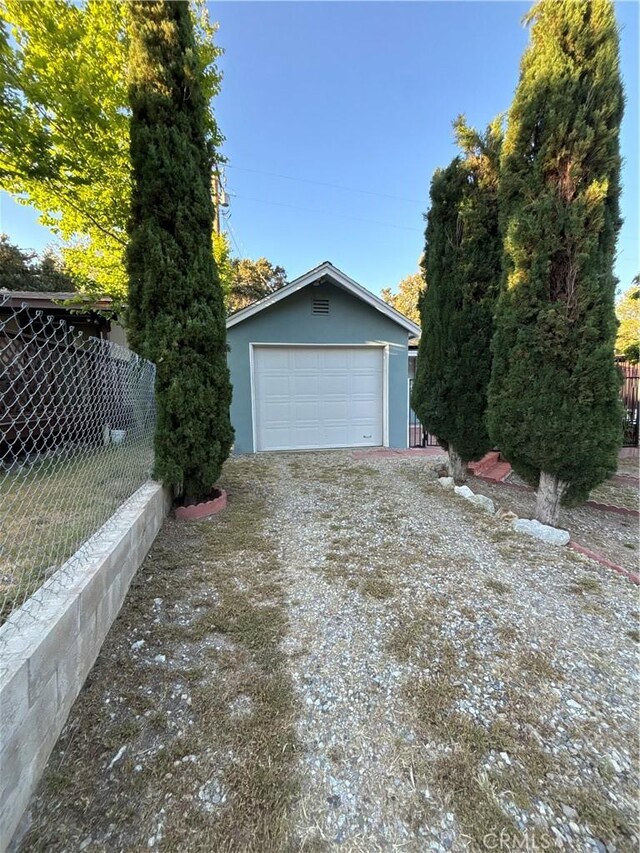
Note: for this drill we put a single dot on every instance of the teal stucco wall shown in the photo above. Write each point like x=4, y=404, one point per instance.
x=291, y=321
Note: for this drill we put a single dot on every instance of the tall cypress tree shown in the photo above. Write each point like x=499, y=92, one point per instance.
x=176, y=314
x=462, y=263
x=553, y=402
x=430, y=396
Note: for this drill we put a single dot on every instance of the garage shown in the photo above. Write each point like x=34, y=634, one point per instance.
x=308, y=397
x=320, y=363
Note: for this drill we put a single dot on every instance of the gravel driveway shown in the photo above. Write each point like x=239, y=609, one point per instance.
x=350, y=657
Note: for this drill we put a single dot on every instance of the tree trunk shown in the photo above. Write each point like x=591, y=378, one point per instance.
x=550, y=491
x=457, y=468
x=192, y=492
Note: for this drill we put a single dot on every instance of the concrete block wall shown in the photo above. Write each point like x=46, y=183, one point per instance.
x=48, y=646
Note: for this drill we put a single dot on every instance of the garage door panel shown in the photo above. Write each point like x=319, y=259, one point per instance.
x=305, y=359
x=365, y=386
x=334, y=385
x=360, y=357
x=314, y=397
x=275, y=386
x=361, y=435
x=306, y=412
x=305, y=437
x=360, y=369
x=333, y=435
x=334, y=357
x=302, y=385
x=361, y=411
x=278, y=359
x=335, y=410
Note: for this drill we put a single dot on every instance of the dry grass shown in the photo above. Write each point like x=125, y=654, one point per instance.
x=222, y=623
x=377, y=586
x=604, y=820
x=463, y=746
x=353, y=477
x=498, y=586
x=538, y=664
x=616, y=493
x=585, y=584
x=459, y=746
x=507, y=633
x=412, y=638
x=611, y=534
x=476, y=685
x=61, y=502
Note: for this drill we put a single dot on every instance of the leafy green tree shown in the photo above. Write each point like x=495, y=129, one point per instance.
x=176, y=309
x=554, y=408
x=22, y=270
x=243, y=280
x=65, y=119
x=462, y=259
x=16, y=266
x=406, y=299
x=628, y=311
x=224, y=264
x=253, y=280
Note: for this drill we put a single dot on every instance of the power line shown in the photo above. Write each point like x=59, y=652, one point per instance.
x=325, y=212
x=322, y=184
x=235, y=242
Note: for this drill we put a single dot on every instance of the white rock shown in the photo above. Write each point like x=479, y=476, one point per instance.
x=532, y=527
x=483, y=502
x=211, y=795
x=137, y=645
x=463, y=491
x=117, y=756
x=446, y=482
x=160, y=658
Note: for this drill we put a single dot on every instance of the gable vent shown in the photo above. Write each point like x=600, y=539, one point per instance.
x=320, y=306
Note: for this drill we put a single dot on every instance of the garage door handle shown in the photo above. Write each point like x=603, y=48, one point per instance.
x=367, y=436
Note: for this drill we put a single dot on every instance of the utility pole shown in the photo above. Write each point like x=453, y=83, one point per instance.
x=215, y=179
x=219, y=198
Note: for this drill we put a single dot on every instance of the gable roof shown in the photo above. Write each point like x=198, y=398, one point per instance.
x=325, y=270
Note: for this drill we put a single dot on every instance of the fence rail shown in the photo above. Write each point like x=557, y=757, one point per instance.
x=629, y=394
x=77, y=419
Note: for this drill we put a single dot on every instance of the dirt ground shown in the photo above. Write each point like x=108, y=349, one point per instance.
x=350, y=657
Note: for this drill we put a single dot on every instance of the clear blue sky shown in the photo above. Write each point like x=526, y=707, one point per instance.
x=361, y=95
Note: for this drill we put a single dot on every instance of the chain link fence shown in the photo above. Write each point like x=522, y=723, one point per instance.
x=77, y=419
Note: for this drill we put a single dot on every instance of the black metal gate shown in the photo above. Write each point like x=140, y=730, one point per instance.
x=417, y=436
x=630, y=395
x=631, y=402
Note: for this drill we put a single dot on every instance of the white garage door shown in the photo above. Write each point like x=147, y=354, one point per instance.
x=312, y=397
